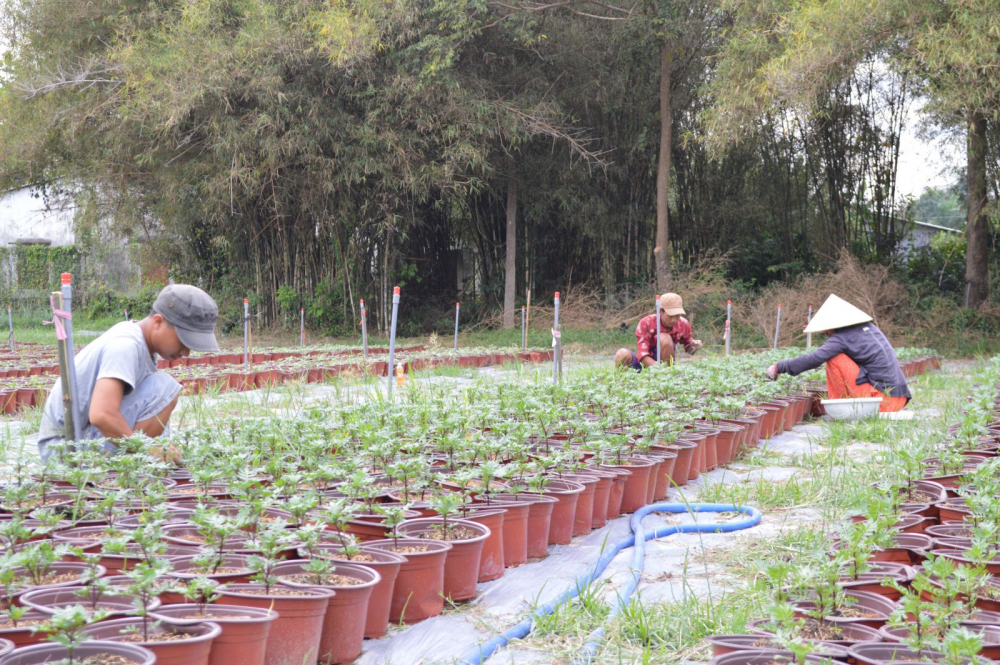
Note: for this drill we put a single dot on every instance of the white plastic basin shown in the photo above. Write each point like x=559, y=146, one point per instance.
x=852, y=409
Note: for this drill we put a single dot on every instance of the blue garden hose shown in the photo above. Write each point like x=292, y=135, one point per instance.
x=521, y=630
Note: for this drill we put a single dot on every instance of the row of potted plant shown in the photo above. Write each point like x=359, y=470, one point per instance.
x=912, y=576
x=388, y=508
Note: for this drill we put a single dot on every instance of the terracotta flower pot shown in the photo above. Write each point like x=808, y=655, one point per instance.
x=727, y=442
x=462, y=563
x=64, y=568
x=23, y=635
x=685, y=451
x=52, y=653
x=654, y=471
x=872, y=580
x=491, y=560
x=515, y=529
x=849, y=633
x=243, y=635
x=711, y=446
x=762, y=657
x=884, y=652
x=419, y=590
x=567, y=494
x=539, y=523
x=184, y=568
x=617, y=491
x=698, y=454
x=344, y=625
x=48, y=601
x=584, y=517
x=386, y=564
x=723, y=644
x=877, y=607
x=636, y=485
x=665, y=475
x=192, y=649
x=295, y=634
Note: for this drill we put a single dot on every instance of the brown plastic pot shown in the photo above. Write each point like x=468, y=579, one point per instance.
x=244, y=630
x=567, y=494
x=617, y=491
x=879, y=606
x=56, y=653
x=851, y=633
x=879, y=653
x=295, y=634
x=185, y=568
x=344, y=624
x=386, y=564
x=711, y=446
x=636, y=485
x=665, y=474
x=654, y=471
x=685, y=456
x=462, y=563
x=584, y=517
x=697, y=455
x=191, y=650
x=539, y=523
x=59, y=568
x=491, y=560
x=23, y=635
x=872, y=580
x=989, y=634
x=727, y=443
x=48, y=601
x=515, y=528
x=762, y=657
x=723, y=644
x=419, y=590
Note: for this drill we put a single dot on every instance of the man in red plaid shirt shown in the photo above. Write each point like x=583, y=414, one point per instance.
x=674, y=331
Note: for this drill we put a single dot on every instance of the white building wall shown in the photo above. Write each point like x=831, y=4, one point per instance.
x=25, y=216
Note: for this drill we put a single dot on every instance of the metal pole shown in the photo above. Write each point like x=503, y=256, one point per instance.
x=457, y=306
x=968, y=289
x=302, y=326
x=126, y=315
x=555, y=353
x=392, y=338
x=524, y=338
x=10, y=324
x=729, y=326
x=777, y=327
x=657, y=329
x=246, y=334
x=364, y=330
x=67, y=298
x=809, y=335
x=69, y=431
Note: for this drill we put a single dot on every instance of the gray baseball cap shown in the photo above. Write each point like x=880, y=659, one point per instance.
x=192, y=312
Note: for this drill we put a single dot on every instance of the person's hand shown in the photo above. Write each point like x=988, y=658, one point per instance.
x=168, y=453
x=695, y=345
x=772, y=372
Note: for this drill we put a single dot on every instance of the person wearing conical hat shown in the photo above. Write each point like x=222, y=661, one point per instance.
x=859, y=360
x=673, y=331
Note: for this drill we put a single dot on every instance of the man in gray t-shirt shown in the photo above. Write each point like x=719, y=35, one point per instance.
x=120, y=390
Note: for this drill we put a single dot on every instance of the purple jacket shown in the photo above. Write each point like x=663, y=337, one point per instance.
x=867, y=346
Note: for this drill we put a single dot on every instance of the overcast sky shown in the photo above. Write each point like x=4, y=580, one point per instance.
x=926, y=162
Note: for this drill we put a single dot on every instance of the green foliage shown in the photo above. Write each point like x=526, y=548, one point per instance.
x=939, y=268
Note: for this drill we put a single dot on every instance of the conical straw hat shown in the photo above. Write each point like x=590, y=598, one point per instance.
x=836, y=313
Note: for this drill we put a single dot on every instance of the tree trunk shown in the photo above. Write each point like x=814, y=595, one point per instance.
x=976, y=226
x=661, y=253
x=510, y=267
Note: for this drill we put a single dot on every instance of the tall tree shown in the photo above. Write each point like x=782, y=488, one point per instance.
x=785, y=51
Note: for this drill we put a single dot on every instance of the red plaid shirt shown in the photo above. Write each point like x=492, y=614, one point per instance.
x=645, y=335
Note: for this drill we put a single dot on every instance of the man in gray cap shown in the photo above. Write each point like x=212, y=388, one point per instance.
x=117, y=380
